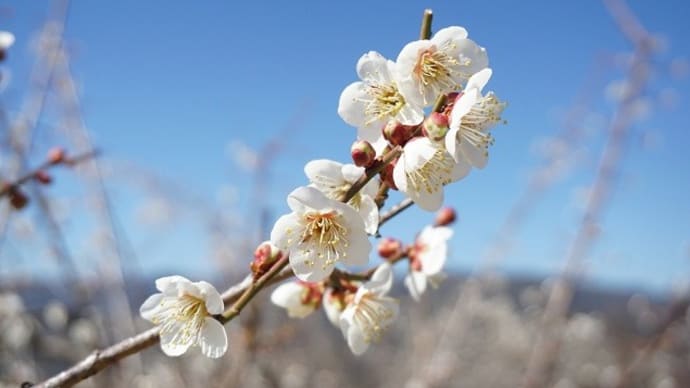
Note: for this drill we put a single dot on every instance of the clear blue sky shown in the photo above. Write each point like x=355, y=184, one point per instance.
x=168, y=84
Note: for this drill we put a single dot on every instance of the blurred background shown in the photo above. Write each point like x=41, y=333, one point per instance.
x=185, y=126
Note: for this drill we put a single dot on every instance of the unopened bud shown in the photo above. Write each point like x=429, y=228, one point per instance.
x=435, y=126
x=56, y=155
x=363, y=154
x=387, y=175
x=18, y=199
x=264, y=256
x=390, y=248
x=398, y=134
x=43, y=177
x=445, y=216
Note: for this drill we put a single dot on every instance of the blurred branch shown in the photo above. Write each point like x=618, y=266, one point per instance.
x=6, y=187
x=547, y=347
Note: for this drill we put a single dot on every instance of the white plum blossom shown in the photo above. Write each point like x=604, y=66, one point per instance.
x=427, y=259
x=430, y=67
x=184, y=311
x=299, y=298
x=422, y=170
x=319, y=233
x=334, y=179
x=371, y=312
x=370, y=103
x=472, y=117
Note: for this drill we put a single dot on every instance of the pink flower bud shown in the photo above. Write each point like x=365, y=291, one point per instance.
x=56, y=155
x=398, y=134
x=445, y=216
x=264, y=256
x=363, y=154
x=390, y=248
x=435, y=126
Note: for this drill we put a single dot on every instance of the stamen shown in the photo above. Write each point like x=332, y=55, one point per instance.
x=183, y=317
x=372, y=316
x=433, y=175
x=325, y=234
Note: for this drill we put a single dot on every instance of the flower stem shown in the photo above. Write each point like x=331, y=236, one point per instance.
x=425, y=31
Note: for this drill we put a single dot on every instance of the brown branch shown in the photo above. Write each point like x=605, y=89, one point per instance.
x=425, y=30
x=6, y=187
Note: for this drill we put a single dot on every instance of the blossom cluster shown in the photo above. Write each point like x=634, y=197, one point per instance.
x=422, y=123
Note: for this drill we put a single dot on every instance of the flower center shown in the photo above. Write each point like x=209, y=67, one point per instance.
x=385, y=101
x=183, y=317
x=481, y=117
x=435, y=69
x=325, y=235
x=433, y=174
x=373, y=316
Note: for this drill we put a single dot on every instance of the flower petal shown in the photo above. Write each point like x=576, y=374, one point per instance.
x=167, y=282
x=351, y=173
x=283, y=234
x=462, y=106
x=449, y=34
x=381, y=280
x=476, y=156
x=307, y=198
x=170, y=346
x=150, y=306
x=214, y=302
x=428, y=201
x=369, y=212
x=213, y=340
x=416, y=284
x=351, y=105
x=289, y=297
x=324, y=172
x=479, y=79
x=332, y=307
x=306, y=269
x=373, y=66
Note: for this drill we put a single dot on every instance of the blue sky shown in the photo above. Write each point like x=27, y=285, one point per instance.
x=168, y=85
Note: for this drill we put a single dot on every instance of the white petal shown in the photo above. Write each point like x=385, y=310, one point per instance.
x=416, y=284
x=408, y=83
x=410, y=114
x=285, y=231
x=167, y=282
x=479, y=79
x=429, y=201
x=448, y=34
x=351, y=105
x=460, y=170
x=371, y=132
x=399, y=177
x=372, y=66
x=173, y=348
x=369, y=212
x=357, y=252
x=476, y=156
x=289, y=297
x=381, y=280
x=306, y=269
x=451, y=142
x=150, y=306
x=351, y=173
x=475, y=53
x=352, y=333
x=214, y=302
x=324, y=172
x=332, y=307
x=308, y=198
x=462, y=107
x=213, y=340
